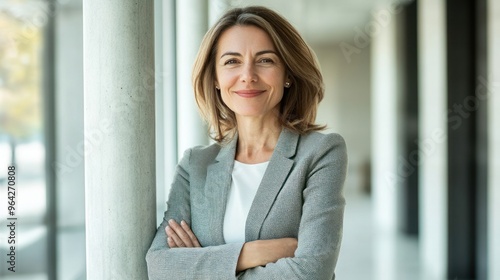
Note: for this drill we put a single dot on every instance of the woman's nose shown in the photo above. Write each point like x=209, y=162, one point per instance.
x=248, y=73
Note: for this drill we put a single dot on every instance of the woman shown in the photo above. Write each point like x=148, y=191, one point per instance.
x=266, y=201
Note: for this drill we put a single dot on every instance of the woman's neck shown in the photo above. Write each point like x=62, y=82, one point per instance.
x=256, y=139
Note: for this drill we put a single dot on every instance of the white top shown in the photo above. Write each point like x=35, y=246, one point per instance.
x=246, y=179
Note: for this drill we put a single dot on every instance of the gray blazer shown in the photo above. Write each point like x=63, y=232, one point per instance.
x=301, y=196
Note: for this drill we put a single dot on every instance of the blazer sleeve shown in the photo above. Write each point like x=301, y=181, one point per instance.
x=212, y=262
x=320, y=231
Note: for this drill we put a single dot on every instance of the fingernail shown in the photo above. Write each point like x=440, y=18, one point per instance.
x=171, y=221
x=182, y=222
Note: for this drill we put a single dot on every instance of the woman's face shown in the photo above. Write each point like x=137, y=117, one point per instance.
x=250, y=75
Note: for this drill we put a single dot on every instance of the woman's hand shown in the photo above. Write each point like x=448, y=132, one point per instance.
x=254, y=253
x=261, y=252
x=180, y=235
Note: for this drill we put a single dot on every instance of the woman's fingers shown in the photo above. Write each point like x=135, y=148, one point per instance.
x=173, y=239
x=185, y=241
x=181, y=234
x=189, y=232
x=171, y=243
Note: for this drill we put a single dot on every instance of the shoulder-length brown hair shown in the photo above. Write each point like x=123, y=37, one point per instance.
x=300, y=101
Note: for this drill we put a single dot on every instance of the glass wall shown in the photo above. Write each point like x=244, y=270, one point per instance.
x=23, y=207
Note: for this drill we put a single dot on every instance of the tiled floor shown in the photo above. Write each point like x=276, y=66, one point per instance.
x=370, y=254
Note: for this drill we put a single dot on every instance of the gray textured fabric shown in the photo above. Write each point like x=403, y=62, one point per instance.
x=301, y=196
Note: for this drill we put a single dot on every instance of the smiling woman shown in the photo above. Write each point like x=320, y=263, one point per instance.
x=250, y=78
x=303, y=82
x=266, y=201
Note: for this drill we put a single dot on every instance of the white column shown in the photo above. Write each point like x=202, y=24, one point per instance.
x=192, y=23
x=385, y=145
x=433, y=132
x=120, y=170
x=494, y=138
x=384, y=123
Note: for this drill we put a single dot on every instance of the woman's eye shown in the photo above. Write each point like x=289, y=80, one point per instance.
x=230, y=61
x=266, y=60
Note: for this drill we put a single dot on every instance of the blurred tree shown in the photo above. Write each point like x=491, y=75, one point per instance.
x=20, y=108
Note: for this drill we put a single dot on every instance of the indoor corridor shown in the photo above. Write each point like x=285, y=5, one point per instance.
x=413, y=86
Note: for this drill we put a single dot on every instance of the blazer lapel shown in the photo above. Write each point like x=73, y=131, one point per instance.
x=217, y=186
x=277, y=171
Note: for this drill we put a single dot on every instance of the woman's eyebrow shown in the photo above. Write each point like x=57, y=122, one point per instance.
x=230, y=53
x=239, y=54
x=266, y=51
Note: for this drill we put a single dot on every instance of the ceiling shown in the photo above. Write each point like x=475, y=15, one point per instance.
x=323, y=21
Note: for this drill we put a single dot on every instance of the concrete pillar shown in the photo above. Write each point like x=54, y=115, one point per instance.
x=119, y=115
x=192, y=23
x=433, y=132
x=493, y=55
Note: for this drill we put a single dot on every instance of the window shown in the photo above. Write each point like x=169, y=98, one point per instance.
x=22, y=140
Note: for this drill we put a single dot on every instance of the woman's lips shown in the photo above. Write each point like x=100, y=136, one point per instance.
x=249, y=92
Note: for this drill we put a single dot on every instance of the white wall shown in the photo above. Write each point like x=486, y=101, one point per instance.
x=345, y=108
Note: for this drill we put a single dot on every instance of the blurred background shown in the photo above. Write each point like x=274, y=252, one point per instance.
x=412, y=86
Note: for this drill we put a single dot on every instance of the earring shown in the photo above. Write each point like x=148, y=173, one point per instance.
x=287, y=84
x=217, y=88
